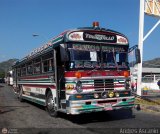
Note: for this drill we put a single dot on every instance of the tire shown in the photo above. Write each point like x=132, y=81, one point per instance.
x=50, y=105
x=20, y=95
x=129, y=112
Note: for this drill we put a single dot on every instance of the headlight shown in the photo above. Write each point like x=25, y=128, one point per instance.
x=79, y=86
x=104, y=94
x=127, y=84
x=111, y=94
x=96, y=96
x=117, y=94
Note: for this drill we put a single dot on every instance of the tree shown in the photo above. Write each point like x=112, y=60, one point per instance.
x=2, y=74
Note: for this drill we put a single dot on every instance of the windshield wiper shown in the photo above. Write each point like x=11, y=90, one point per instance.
x=114, y=57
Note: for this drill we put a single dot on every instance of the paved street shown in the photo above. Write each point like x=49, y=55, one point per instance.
x=17, y=117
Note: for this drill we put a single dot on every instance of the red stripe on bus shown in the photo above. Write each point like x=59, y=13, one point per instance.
x=36, y=77
x=40, y=86
x=95, y=73
x=62, y=34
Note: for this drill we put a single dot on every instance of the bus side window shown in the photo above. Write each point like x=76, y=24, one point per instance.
x=23, y=70
x=45, y=66
x=47, y=63
x=30, y=68
x=50, y=65
x=18, y=72
x=37, y=66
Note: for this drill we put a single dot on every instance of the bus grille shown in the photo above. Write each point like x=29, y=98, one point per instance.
x=104, y=84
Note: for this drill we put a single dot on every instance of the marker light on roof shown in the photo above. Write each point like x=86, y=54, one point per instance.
x=95, y=24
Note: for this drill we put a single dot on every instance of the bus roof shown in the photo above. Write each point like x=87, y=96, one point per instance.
x=83, y=34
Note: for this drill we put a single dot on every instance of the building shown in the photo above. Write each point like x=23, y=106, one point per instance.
x=150, y=77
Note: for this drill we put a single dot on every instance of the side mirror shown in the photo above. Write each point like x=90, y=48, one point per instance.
x=137, y=55
x=64, y=54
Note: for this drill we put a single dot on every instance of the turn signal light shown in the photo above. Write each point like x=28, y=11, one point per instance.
x=126, y=92
x=126, y=73
x=78, y=75
x=79, y=96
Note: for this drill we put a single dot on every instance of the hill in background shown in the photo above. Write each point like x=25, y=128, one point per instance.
x=154, y=63
x=6, y=66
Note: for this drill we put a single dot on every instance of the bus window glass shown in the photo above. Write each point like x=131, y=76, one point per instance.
x=14, y=73
x=108, y=57
x=96, y=56
x=47, y=63
x=114, y=59
x=23, y=70
x=93, y=56
x=37, y=66
x=18, y=72
x=80, y=55
x=30, y=68
x=122, y=57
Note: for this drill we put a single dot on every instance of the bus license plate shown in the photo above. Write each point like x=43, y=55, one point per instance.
x=108, y=106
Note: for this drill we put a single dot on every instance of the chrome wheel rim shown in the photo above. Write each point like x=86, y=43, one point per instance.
x=50, y=103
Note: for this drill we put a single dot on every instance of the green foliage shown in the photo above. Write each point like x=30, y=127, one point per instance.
x=2, y=74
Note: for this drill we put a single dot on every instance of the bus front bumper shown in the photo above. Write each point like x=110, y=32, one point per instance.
x=96, y=105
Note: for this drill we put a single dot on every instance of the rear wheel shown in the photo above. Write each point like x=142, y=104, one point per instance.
x=20, y=94
x=50, y=105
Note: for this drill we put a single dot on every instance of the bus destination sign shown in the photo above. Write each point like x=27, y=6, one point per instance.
x=100, y=37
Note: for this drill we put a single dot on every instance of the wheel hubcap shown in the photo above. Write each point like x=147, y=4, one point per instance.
x=50, y=103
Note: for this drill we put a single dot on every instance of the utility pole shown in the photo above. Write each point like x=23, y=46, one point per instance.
x=152, y=8
x=140, y=46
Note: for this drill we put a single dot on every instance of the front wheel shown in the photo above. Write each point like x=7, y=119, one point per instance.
x=50, y=105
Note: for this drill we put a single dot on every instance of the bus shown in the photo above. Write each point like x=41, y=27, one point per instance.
x=9, y=78
x=82, y=70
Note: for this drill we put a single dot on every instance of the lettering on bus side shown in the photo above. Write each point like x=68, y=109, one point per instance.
x=39, y=90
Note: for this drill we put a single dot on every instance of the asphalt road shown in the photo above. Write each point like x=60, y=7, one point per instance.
x=17, y=117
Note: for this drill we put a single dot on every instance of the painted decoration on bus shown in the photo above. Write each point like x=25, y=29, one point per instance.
x=121, y=40
x=92, y=48
x=38, y=50
x=112, y=49
x=106, y=38
x=76, y=36
x=86, y=47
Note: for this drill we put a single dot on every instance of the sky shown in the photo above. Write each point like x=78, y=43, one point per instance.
x=20, y=19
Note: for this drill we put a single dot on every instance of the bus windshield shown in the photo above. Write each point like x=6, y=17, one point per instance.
x=84, y=56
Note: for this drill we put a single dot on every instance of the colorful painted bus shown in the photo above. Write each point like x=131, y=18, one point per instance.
x=81, y=70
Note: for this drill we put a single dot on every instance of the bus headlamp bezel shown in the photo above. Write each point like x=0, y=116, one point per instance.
x=79, y=86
